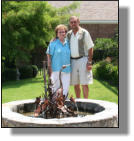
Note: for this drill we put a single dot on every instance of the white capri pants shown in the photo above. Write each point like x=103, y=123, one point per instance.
x=65, y=79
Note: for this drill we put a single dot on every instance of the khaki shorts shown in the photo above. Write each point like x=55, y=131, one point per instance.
x=79, y=74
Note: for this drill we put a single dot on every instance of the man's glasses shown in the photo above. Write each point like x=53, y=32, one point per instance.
x=62, y=32
x=73, y=22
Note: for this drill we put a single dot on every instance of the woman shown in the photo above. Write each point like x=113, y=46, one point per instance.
x=58, y=54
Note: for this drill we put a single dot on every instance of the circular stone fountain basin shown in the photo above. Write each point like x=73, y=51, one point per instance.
x=105, y=114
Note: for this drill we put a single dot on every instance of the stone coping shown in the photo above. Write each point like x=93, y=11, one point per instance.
x=111, y=111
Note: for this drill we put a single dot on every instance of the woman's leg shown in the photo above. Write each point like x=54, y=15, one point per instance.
x=55, y=81
x=65, y=78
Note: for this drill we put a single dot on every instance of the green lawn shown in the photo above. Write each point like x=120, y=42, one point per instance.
x=31, y=88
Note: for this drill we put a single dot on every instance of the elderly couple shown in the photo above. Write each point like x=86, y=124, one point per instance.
x=75, y=50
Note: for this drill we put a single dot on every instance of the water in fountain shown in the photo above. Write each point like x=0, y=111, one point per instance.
x=77, y=108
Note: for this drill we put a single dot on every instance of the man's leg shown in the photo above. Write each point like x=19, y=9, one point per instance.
x=85, y=91
x=77, y=90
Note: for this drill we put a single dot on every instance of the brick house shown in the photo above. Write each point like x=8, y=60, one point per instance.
x=100, y=18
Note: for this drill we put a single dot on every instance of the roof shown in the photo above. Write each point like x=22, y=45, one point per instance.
x=93, y=10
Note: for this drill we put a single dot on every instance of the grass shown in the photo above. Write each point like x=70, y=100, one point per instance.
x=100, y=90
x=33, y=87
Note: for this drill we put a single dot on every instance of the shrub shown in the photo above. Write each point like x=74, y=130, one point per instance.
x=106, y=71
x=114, y=75
x=3, y=64
x=35, y=70
x=26, y=72
x=9, y=74
x=105, y=47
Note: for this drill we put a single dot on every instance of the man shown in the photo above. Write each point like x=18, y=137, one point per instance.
x=81, y=46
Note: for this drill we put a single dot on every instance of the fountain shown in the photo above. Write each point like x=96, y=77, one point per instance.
x=104, y=114
x=53, y=110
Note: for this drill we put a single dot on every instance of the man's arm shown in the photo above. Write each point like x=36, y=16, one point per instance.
x=89, y=46
x=90, y=55
x=89, y=62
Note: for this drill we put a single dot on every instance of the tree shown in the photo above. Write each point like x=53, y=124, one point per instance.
x=29, y=25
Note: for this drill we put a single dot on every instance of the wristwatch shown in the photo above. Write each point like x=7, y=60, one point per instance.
x=89, y=62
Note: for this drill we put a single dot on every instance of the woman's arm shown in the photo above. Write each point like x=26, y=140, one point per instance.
x=49, y=64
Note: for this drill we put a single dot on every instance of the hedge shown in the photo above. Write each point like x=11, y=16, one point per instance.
x=9, y=74
x=28, y=71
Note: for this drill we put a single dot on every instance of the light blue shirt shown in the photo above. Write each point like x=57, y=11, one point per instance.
x=60, y=55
